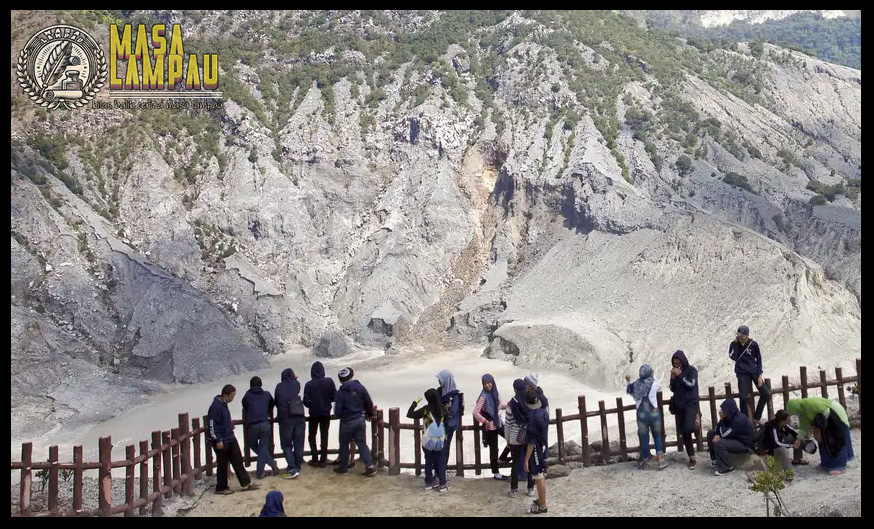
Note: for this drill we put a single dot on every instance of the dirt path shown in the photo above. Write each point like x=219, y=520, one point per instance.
x=615, y=490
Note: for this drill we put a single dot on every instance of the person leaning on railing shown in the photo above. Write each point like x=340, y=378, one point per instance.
x=220, y=434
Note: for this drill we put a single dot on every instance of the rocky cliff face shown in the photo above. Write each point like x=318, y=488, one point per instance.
x=522, y=188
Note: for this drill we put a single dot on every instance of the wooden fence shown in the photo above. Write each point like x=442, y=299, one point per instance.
x=176, y=461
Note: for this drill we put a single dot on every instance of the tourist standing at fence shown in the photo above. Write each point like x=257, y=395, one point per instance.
x=290, y=413
x=748, y=368
x=515, y=428
x=487, y=413
x=221, y=437
x=644, y=390
x=537, y=441
x=684, y=403
x=453, y=407
x=531, y=380
x=734, y=434
x=353, y=405
x=273, y=507
x=828, y=422
x=257, y=413
x=777, y=439
x=433, y=439
x=318, y=396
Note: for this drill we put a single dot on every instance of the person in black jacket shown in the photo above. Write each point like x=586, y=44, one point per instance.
x=220, y=435
x=734, y=434
x=257, y=415
x=352, y=404
x=290, y=413
x=684, y=386
x=778, y=439
x=435, y=463
x=748, y=368
x=318, y=395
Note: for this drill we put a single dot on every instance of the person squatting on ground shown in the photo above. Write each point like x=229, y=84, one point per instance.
x=644, y=390
x=515, y=428
x=273, y=507
x=290, y=412
x=318, y=396
x=684, y=403
x=453, y=407
x=257, y=414
x=354, y=407
x=734, y=434
x=748, y=368
x=433, y=438
x=221, y=437
x=537, y=441
x=777, y=440
x=486, y=412
x=828, y=422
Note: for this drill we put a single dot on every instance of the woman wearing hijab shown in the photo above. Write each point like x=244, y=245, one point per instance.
x=434, y=462
x=517, y=422
x=273, y=506
x=828, y=422
x=453, y=407
x=486, y=413
x=645, y=390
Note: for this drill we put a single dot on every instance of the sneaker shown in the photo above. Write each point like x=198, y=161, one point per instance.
x=537, y=509
x=642, y=464
x=313, y=463
x=225, y=492
x=513, y=493
x=295, y=473
x=530, y=493
x=501, y=477
x=370, y=472
x=323, y=464
x=252, y=486
x=339, y=470
x=663, y=464
x=713, y=463
x=430, y=486
x=443, y=488
x=692, y=464
x=723, y=473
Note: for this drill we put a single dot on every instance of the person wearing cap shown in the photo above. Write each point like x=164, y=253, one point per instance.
x=684, y=386
x=644, y=390
x=827, y=421
x=748, y=368
x=453, y=407
x=734, y=434
x=220, y=435
x=537, y=441
x=531, y=380
x=257, y=414
x=289, y=411
x=352, y=404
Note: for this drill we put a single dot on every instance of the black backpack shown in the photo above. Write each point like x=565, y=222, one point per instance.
x=295, y=407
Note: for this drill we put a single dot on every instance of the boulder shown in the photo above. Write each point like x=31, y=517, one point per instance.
x=333, y=344
x=557, y=471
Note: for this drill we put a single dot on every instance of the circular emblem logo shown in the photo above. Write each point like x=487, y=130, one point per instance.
x=61, y=66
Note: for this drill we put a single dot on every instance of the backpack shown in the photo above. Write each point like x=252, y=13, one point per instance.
x=295, y=407
x=434, y=436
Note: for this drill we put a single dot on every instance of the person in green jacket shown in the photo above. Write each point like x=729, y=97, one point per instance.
x=828, y=422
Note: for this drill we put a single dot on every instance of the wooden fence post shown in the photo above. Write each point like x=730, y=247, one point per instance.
x=158, y=502
x=477, y=453
x=803, y=371
x=785, y=382
x=78, y=478
x=711, y=394
x=859, y=383
x=605, y=435
x=623, y=444
x=105, y=499
x=559, y=429
x=394, y=441
x=839, y=375
x=770, y=399
x=417, y=446
x=584, y=431
x=130, y=453
x=374, y=438
x=177, y=464
x=459, y=449
x=26, y=461
x=381, y=434
x=185, y=455
x=660, y=401
x=823, y=383
x=53, y=479
x=195, y=441
x=168, y=464
x=144, y=476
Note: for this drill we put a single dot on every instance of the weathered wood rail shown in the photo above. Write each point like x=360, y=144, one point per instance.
x=180, y=456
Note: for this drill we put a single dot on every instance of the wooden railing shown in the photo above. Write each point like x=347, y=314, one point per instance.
x=176, y=461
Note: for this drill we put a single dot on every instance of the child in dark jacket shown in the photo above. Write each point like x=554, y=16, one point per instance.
x=433, y=448
x=778, y=439
x=734, y=434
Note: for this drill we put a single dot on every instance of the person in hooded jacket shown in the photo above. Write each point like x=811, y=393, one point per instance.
x=487, y=413
x=220, y=435
x=318, y=396
x=734, y=434
x=273, y=507
x=514, y=428
x=453, y=404
x=684, y=386
x=353, y=406
x=292, y=424
x=257, y=415
x=434, y=462
x=644, y=390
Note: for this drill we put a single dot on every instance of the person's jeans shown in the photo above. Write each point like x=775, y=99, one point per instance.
x=721, y=451
x=648, y=419
x=322, y=424
x=518, y=468
x=259, y=439
x=291, y=435
x=434, y=462
x=449, y=433
x=230, y=452
x=491, y=439
x=744, y=384
x=355, y=429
